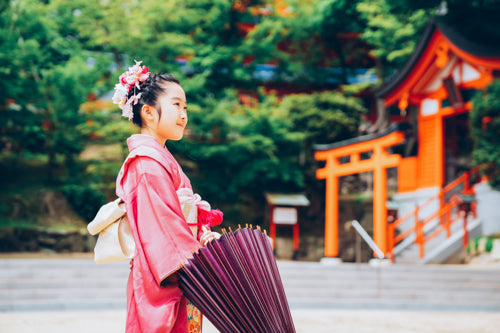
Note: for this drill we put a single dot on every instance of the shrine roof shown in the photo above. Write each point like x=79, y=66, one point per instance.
x=487, y=46
x=283, y=199
x=392, y=128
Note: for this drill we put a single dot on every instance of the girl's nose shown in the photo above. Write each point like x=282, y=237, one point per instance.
x=183, y=114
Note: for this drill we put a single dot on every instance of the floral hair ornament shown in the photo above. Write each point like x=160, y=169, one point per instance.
x=128, y=81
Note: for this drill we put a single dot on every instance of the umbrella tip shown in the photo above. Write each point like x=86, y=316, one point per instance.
x=258, y=227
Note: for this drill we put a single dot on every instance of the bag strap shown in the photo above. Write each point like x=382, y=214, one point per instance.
x=106, y=215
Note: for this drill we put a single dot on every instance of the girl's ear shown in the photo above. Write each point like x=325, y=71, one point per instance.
x=148, y=113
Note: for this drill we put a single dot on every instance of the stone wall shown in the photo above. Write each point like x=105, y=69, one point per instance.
x=35, y=240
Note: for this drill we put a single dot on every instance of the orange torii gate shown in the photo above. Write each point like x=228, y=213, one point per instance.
x=379, y=161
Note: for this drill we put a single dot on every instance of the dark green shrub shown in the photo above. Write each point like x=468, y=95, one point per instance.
x=476, y=243
x=489, y=244
x=84, y=199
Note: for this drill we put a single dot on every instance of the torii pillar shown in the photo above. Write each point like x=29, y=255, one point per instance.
x=379, y=161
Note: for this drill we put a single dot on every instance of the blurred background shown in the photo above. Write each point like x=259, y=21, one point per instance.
x=265, y=82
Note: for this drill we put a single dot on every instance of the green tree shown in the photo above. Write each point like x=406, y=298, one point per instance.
x=326, y=116
x=485, y=126
x=45, y=76
x=236, y=153
x=393, y=29
x=314, y=46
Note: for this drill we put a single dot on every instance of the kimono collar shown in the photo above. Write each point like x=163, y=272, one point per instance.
x=137, y=140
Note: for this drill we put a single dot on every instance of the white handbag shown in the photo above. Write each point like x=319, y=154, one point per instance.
x=115, y=242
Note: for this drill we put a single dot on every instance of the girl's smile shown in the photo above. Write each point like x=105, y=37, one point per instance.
x=169, y=120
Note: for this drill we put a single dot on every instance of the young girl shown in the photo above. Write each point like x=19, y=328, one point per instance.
x=149, y=183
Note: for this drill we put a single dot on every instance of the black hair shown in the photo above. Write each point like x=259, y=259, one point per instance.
x=154, y=86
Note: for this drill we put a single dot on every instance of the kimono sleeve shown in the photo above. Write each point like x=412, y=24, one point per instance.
x=164, y=236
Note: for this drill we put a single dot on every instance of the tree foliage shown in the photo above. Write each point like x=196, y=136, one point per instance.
x=60, y=59
x=45, y=75
x=392, y=28
x=326, y=116
x=311, y=46
x=238, y=153
x=485, y=130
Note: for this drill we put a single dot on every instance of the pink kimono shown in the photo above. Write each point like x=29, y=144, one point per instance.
x=147, y=183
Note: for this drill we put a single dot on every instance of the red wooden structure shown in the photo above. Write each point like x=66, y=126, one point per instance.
x=379, y=161
x=283, y=211
x=432, y=92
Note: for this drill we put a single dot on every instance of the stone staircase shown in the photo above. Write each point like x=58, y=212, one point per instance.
x=433, y=211
x=395, y=287
x=438, y=249
x=78, y=284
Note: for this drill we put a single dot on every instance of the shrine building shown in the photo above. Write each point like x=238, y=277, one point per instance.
x=423, y=131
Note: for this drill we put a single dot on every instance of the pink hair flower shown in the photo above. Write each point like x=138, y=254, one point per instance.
x=127, y=111
x=135, y=98
x=129, y=80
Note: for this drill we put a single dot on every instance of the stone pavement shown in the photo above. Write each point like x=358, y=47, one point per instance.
x=305, y=320
x=72, y=294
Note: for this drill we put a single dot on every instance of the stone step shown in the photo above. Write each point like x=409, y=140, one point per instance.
x=448, y=281
x=50, y=283
x=293, y=270
x=29, y=285
x=291, y=283
x=62, y=293
x=376, y=304
x=98, y=303
x=313, y=291
x=398, y=279
x=395, y=295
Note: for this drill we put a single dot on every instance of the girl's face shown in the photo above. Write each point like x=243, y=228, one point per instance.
x=173, y=119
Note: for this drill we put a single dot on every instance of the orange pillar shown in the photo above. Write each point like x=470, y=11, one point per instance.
x=332, y=216
x=379, y=205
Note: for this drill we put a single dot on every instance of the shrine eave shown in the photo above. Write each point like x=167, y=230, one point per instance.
x=392, y=128
x=483, y=50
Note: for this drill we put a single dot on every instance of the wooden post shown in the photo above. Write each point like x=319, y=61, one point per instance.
x=448, y=220
x=466, y=232
x=272, y=226
x=420, y=239
x=332, y=216
x=358, y=247
x=296, y=237
x=442, y=219
x=379, y=207
x=390, y=242
x=295, y=241
x=467, y=182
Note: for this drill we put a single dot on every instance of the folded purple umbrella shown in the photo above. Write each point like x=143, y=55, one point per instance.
x=235, y=283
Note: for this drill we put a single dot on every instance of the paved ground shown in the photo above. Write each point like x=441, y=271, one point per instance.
x=306, y=321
